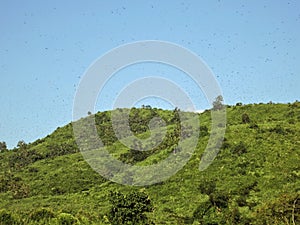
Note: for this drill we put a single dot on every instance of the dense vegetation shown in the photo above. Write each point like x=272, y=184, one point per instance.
x=255, y=179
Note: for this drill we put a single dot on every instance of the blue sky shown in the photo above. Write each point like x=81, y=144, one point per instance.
x=46, y=46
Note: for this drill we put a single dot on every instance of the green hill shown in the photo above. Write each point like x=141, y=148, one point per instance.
x=255, y=178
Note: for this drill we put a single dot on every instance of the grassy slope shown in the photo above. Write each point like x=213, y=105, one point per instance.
x=268, y=169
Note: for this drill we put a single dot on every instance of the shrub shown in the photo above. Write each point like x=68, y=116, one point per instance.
x=202, y=210
x=19, y=190
x=239, y=149
x=4, y=183
x=41, y=214
x=129, y=209
x=6, y=218
x=225, y=144
x=234, y=217
x=133, y=156
x=23, y=157
x=203, y=131
x=8, y=182
x=219, y=200
x=207, y=187
x=253, y=126
x=33, y=170
x=278, y=129
x=283, y=210
x=66, y=219
x=245, y=118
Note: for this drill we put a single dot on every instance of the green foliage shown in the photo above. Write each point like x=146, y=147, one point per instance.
x=6, y=218
x=23, y=157
x=239, y=149
x=58, y=149
x=202, y=210
x=130, y=208
x=253, y=126
x=245, y=118
x=226, y=144
x=255, y=178
x=3, y=146
x=22, y=145
x=278, y=129
x=20, y=190
x=283, y=210
x=207, y=187
x=219, y=199
x=67, y=219
x=218, y=103
x=41, y=214
x=203, y=131
x=14, y=185
x=176, y=116
x=5, y=181
x=133, y=156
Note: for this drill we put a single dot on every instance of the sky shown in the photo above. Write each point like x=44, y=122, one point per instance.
x=46, y=47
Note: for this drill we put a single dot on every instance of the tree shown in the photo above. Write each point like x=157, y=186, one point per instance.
x=245, y=118
x=22, y=145
x=176, y=117
x=129, y=209
x=3, y=146
x=218, y=103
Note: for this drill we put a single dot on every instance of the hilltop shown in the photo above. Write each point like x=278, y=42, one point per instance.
x=255, y=178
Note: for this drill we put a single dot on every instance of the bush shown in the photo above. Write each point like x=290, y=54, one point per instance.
x=278, y=129
x=33, y=170
x=41, y=214
x=219, y=200
x=283, y=210
x=202, y=210
x=225, y=144
x=23, y=157
x=207, y=187
x=203, y=131
x=245, y=118
x=253, y=126
x=66, y=219
x=19, y=190
x=4, y=183
x=133, y=156
x=8, y=182
x=129, y=209
x=6, y=218
x=239, y=149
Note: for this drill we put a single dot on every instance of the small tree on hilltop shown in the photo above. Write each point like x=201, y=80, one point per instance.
x=22, y=145
x=218, y=103
x=3, y=146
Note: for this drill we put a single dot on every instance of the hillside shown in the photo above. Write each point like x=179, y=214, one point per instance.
x=255, y=179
